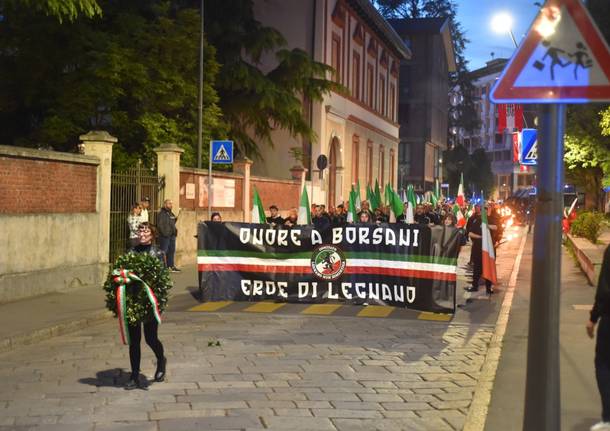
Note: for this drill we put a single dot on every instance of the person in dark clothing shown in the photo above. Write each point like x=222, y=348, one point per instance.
x=420, y=216
x=320, y=220
x=601, y=313
x=477, y=213
x=476, y=236
x=274, y=219
x=166, y=225
x=151, y=329
x=339, y=219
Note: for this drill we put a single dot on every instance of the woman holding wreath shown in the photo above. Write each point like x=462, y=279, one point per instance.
x=137, y=293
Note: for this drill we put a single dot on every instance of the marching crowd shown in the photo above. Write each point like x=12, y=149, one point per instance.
x=143, y=235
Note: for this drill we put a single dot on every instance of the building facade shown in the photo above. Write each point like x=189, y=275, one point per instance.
x=497, y=140
x=423, y=100
x=357, y=131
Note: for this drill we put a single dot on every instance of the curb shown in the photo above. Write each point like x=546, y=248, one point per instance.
x=587, y=264
x=61, y=328
x=477, y=413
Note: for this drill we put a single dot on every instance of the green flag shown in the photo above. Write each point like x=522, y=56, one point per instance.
x=396, y=205
x=434, y=198
x=258, y=211
x=377, y=193
x=370, y=197
x=387, y=193
x=358, y=199
x=352, y=216
x=304, y=210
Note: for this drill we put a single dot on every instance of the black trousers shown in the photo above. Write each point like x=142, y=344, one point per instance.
x=602, y=365
x=477, y=264
x=150, y=335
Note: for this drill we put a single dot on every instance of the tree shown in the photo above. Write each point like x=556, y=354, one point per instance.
x=467, y=114
x=587, y=140
x=132, y=71
x=476, y=168
x=480, y=174
x=60, y=9
x=254, y=101
x=456, y=162
x=587, y=152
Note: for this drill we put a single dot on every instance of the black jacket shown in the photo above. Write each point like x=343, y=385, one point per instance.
x=166, y=223
x=601, y=307
x=278, y=220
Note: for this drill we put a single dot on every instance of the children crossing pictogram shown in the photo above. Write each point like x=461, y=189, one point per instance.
x=563, y=59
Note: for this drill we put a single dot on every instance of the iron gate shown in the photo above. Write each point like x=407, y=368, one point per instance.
x=126, y=188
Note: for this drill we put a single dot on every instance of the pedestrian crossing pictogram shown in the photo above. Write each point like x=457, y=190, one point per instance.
x=222, y=152
x=221, y=155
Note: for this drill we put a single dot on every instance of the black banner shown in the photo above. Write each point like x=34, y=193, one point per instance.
x=404, y=265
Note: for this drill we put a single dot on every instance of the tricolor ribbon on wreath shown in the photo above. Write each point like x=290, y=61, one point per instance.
x=123, y=277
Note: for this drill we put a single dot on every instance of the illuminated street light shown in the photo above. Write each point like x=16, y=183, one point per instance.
x=502, y=22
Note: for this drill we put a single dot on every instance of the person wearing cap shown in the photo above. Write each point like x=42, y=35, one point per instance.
x=144, y=204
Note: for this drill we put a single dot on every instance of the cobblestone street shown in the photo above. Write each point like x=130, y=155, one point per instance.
x=287, y=372
x=291, y=372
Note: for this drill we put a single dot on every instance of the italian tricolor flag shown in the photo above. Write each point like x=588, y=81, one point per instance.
x=304, y=210
x=461, y=221
x=489, y=255
x=258, y=211
x=460, y=194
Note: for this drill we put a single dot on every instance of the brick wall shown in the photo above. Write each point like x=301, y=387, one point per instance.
x=281, y=193
x=30, y=185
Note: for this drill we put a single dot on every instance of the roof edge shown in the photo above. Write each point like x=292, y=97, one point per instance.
x=381, y=26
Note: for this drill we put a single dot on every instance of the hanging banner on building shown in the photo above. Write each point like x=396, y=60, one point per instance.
x=402, y=265
x=510, y=116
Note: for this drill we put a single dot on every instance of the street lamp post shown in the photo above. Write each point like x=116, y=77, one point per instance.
x=200, y=101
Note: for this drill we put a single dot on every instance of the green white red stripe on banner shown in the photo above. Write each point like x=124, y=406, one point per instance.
x=123, y=277
x=299, y=265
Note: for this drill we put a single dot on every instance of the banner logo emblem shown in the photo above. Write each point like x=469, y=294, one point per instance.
x=328, y=262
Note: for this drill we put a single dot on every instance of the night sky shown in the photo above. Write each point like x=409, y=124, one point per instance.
x=475, y=17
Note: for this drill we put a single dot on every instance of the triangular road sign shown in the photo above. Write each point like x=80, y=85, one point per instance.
x=563, y=59
x=221, y=155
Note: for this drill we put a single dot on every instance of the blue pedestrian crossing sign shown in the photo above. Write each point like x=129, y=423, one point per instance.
x=222, y=152
x=529, y=147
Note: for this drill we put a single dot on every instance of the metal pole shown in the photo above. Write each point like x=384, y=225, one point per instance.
x=200, y=101
x=210, y=190
x=542, y=396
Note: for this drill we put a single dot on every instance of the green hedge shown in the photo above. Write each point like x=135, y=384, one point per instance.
x=588, y=225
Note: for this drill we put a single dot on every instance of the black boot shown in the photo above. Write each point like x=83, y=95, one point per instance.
x=134, y=382
x=160, y=373
x=473, y=289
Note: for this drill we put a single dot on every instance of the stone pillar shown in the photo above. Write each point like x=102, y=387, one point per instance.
x=242, y=166
x=168, y=166
x=99, y=143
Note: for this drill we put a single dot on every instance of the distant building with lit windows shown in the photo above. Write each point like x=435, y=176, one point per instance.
x=509, y=176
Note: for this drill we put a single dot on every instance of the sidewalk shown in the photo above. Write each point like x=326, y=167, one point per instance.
x=580, y=403
x=42, y=317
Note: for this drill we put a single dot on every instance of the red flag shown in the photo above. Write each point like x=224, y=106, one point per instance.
x=519, y=117
x=501, y=118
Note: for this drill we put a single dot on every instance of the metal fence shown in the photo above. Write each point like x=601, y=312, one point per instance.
x=128, y=187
